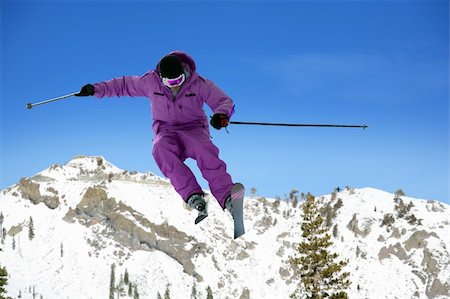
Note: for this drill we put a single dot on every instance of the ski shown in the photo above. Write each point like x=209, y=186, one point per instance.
x=237, y=200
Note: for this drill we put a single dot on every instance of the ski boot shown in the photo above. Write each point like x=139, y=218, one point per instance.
x=197, y=202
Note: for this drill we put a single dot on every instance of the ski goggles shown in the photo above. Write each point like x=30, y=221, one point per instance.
x=175, y=81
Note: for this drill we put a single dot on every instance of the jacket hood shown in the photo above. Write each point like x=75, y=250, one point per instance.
x=186, y=60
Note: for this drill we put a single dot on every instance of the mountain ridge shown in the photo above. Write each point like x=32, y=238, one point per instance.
x=100, y=215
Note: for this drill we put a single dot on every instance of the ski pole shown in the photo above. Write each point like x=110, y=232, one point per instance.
x=297, y=125
x=31, y=105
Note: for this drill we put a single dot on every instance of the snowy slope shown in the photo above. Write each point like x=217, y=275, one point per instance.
x=89, y=214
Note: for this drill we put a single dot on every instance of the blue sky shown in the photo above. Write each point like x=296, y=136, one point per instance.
x=382, y=63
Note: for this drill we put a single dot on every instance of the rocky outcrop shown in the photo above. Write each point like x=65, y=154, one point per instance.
x=430, y=264
x=437, y=289
x=418, y=239
x=245, y=294
x=435, y=206
x=31, y=191
x=396, y=250
x=263, y=224
x=15, y=230
x=134, y=231
x=354, y=227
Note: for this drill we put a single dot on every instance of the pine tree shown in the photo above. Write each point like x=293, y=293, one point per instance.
x=126, y=278
x=3, y=281
x=209, y=294
x=335, y=231
x=136, y=294
x=61, y=249
x=31, y=229
x=398, y=194
x=320, y=276
x=276, y=203
x=1, y=225
x=167, y=293
x=194, y=291
x=130, y=289
x=3, y=235
x=158, y=296
x=112, y=281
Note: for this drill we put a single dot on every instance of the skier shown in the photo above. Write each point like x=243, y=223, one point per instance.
x=177, y=94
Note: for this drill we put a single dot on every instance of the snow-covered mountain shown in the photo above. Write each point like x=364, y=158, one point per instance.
x=88, y=214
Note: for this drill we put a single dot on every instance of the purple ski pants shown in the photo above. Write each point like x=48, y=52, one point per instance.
x=170, y=149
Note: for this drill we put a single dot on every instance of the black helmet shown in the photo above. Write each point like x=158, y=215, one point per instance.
x=170, y=67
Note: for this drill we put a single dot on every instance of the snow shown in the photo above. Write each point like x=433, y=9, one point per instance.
x=258, y=261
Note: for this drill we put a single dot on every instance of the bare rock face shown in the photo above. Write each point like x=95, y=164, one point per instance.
x=135, y=232
x=430, y=265
x=31, y=190
x=245, y=294
x=51, y=201
x=263, y=224
x=437, y=288
x=15, y=230
x=418, y=239
x=435, y=206
x=396, y=250
x=354, y=227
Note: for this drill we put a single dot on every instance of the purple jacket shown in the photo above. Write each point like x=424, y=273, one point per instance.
x=169, y=112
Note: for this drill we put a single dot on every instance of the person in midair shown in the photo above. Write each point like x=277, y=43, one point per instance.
x=177, y=94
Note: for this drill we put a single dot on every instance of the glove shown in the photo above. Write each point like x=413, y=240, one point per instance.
x=87, y=90
x=219, y=121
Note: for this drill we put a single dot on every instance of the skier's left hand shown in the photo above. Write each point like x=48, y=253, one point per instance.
x=219, y=121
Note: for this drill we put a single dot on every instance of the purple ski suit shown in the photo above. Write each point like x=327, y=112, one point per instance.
x=181, y=126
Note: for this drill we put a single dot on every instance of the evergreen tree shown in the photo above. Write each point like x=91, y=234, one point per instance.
x=61, y=249
x=136, y=294
x=209, y=294
x=293, y=196
x=3, y=235
x=112, y=281
x=167, y=293
x=31, y=229
x=194, y=291
x=1, y=225
x=335, y=230
x=14, y=242
x=302, y=196
x=320, y=276
x=158, y=296
x=3, y=281
x=276, y=203
x=398, y=194
x=126, y=278
x=130, y=289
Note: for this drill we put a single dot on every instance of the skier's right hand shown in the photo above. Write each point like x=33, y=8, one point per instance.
x=87, y=90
